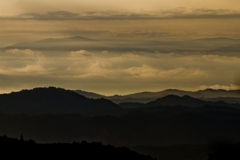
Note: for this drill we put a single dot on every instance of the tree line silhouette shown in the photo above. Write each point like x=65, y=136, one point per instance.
x=84, y=150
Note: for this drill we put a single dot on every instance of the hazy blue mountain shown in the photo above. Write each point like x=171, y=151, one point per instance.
x=57, y=40
x=198, y=46
x=20, y=45
x=54, y=101
x=230, y=48
x=205, y=44
x=207, y=93
x=228, y=96
x=224, y=99
x=56, y=44
x=173, y=100
x=64, y=40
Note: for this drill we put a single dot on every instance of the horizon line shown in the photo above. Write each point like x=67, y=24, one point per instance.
x=109, y=95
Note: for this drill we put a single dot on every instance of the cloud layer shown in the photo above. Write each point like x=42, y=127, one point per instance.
x=126, y=55
x=109, y=73
x=169, y=24
x=174, y=13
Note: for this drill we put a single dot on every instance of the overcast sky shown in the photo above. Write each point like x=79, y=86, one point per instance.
x=124, y=72
x=12, y=7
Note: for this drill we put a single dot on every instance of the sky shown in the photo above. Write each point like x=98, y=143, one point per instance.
x=119, y=71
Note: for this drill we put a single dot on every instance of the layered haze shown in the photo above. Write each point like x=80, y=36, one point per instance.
x=119, y=47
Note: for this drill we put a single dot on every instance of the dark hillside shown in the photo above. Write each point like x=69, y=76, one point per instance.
x=84, y=150
x=54, y=101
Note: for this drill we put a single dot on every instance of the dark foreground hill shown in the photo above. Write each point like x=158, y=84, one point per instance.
x=161, y=132
x=50, y=115
x=149, y=127
x=83, y=150
x=54, y=101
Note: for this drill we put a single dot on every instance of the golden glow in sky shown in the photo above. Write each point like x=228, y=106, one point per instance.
x=131, y=53
x=10, y=7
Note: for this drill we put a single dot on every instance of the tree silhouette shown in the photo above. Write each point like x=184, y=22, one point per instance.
x=21, y=138
x=225, y=152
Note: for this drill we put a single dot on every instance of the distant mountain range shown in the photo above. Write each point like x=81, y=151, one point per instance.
x=231, y=48
x=173, y=100
x=206, y=45
x=69, y=43
x=53, y=100
x=230, y=96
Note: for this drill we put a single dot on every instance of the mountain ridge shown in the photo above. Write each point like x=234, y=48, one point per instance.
x=145, y=97
x=174, y=100
x=74, y=38
x=80, y=42
x=54, y=101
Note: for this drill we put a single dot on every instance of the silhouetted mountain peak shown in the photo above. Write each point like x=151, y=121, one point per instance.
x=53, y=100
x=209, y=94
x=47, y=93
x=171, y=90
x=67, y=39
x=80, y=38
x=169, y=97
x=213, y=90
x=174, y=100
